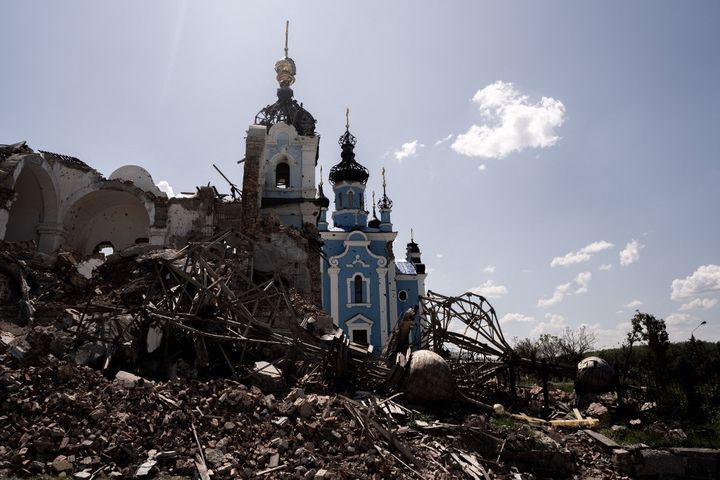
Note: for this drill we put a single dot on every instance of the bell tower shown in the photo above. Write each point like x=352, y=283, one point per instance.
x=286, y=173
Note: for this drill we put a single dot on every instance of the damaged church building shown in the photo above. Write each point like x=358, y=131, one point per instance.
x=56, y=202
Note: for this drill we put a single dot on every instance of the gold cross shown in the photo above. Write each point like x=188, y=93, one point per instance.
x=287, y=27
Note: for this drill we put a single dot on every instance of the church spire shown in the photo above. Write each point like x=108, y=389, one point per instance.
x=385, y=203
x=285, y=67
x=385, y=206
x=287, y=109
x=348, y=170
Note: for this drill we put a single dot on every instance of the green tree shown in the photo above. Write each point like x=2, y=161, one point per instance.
x=653, y=331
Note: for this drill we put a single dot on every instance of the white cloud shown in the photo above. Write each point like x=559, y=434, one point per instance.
x=633, y=304
x=583, y=280
x=516, y=318
x=605, y=266
x=699, y=303
x=557, y=296
x=554, y=324
x=443, y=140
x=512, y=123
x=678, y=319
x=631, y=253
x=490, y=289
x=481, y=167
x=582, y=255
x=164, y=186
x=489, y=269
x=703, y=280
x=408, y=149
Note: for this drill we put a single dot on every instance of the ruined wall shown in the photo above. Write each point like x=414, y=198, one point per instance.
x=254, y=147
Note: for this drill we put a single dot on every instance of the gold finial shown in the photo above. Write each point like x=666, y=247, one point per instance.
x=373, y=195
x=287, y=28
x=412, y=236
x=347, y=118
x=383, y=175
x=285, y=67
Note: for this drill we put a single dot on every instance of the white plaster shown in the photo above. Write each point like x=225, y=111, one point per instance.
x=140, y=177
x=86, y=268
x=382, y=299
x=333, y=271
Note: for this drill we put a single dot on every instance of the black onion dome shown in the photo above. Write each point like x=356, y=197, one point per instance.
x=413, y=247
x=287, y=110
x=348, y=170
x=322, y=199
x=385, y=203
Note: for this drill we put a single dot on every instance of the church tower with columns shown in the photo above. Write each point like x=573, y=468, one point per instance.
x=364, y=287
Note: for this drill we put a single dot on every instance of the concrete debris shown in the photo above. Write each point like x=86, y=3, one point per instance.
x=190, y=363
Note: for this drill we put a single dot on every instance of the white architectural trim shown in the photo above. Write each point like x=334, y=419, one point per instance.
x=360, y=322
x=356, y=261
x=333, y=271
x=392, y=283
x=367, y=302
x=382, y=299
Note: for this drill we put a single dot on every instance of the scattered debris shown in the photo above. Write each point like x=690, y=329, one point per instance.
x=188, y=363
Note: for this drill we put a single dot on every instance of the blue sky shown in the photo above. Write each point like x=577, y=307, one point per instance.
x=584, y=127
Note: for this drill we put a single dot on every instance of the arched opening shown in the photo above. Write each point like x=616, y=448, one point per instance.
x=350, y=199
x=106, y=248
x=113, y=217
x=35, y=203
x=339, y=201
x=282, y=175
x=358, y=289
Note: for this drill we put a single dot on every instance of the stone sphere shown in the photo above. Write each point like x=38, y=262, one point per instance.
x=594, y=375
x=428, y=379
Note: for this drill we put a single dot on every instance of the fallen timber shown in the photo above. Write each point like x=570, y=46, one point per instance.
x=158, y=313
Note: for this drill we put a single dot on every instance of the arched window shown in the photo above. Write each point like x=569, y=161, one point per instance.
x=350, y=199
x=282, y=175
x=358, y=290
x=362, y=202
x=106, y=248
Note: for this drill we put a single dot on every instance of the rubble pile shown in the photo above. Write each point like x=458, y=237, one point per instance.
x=190, y=363
x=61, y=418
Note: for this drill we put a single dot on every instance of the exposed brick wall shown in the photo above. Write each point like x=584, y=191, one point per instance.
x=254, y=147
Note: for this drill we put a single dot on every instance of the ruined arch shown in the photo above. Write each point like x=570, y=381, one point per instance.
x=35, y=205
x=106, y=216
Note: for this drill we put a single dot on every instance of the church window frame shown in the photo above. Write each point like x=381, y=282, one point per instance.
x=351, y=199
x=282, y=174
x=360, y=323
x=353, y=282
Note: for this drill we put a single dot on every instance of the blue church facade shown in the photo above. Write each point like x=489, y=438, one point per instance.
x=364, y=287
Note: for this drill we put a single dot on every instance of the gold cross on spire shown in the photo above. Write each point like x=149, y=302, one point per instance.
x=287, y=27
x=412, y=236
x=321, y=175
x=384, y=184
x=347, y=118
